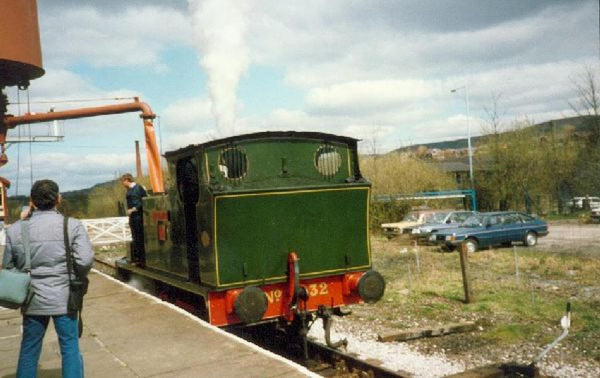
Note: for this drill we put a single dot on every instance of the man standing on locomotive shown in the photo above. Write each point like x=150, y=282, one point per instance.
x=134, y=196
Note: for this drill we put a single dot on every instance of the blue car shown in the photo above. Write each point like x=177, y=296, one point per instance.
x=489, y=229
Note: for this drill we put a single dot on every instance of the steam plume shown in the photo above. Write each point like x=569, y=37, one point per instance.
x=219, y=28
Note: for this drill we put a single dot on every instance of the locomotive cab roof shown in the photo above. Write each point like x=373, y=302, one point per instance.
x=268, y=161
x=266, y=135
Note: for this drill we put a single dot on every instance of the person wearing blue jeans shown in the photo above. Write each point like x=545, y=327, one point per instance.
x=34, y=328
x=43, y=234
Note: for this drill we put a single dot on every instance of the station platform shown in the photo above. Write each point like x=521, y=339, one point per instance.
x=128, y=333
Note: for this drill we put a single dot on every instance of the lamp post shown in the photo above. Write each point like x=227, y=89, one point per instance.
x=470, y=151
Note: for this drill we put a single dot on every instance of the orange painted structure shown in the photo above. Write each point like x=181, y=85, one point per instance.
x=152, y=154
x=4, y=184
x=20, y=51
x=330, y=291
x=21, y=61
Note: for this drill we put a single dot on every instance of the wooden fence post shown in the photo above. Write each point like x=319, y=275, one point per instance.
x=464, y=266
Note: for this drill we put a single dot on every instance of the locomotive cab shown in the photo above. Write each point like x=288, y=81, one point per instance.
x=265, y=226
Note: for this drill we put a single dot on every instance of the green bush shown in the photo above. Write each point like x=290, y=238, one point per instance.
x=389, y=211
x=393, y=174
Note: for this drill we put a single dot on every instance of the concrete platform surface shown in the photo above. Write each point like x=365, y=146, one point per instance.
x=131, y=334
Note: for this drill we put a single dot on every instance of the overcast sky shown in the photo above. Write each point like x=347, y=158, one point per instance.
x=380, y=71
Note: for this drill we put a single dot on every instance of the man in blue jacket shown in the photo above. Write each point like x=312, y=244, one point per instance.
x=49, y=278
x=135, y=210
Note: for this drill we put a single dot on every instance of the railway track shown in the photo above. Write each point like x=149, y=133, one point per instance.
x=341, y=364
x=329, y=362
x=323, y=360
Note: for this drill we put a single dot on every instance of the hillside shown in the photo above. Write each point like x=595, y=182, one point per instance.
x=79, y=203
x=544, y=127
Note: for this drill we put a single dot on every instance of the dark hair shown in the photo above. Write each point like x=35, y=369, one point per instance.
x=44, y=194
x=128, y=177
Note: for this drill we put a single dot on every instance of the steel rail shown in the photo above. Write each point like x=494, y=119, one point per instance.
x=326, y=361
x=334, y=356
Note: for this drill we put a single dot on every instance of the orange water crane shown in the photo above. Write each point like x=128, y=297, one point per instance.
x=152, y=153
x=21, y=61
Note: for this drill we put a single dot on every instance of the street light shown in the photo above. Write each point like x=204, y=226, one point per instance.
x=466, y=88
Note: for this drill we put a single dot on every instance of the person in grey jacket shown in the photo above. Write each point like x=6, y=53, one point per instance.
x=49, y=279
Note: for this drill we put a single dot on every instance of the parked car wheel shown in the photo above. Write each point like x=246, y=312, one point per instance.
x=530, y=239
x=471, y=245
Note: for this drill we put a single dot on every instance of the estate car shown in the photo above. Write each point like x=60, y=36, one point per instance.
x=489, y=229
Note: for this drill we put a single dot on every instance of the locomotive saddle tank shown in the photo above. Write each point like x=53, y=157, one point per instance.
x=270, y=226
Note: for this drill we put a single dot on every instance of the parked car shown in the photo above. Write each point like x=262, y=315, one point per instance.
x=595, y=216
x=405, y=226
x=440, y=221
x=582, y=202
x=488, y=229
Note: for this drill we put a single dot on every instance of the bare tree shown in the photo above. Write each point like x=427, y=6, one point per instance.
x=526, y=169
x=587, y=103
x=494, y=124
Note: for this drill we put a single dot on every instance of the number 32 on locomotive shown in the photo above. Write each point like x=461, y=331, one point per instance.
x=314, y=290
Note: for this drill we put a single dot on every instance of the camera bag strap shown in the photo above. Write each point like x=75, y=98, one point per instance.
x=26, y=245
x=27, y=266
x=70, y=268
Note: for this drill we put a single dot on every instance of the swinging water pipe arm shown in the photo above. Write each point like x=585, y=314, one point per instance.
x=153, y=156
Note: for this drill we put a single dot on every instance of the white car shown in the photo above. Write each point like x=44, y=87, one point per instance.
x=408, y=223
x=578, y=202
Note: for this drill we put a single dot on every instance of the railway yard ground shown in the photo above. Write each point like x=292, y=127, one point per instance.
x=520, y=295
x=131, y=334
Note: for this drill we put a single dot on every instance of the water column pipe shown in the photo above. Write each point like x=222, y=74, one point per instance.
x=152, y=154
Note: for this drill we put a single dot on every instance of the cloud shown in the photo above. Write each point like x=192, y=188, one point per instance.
x=64, y=90
x=184, y=139
x=189, y=113
x=187, y=121
x=130, y=37
x=381, y=72
x=372, y=95
x=70, y=170
x=523, y=89
x=59, y=85
x=334, y=42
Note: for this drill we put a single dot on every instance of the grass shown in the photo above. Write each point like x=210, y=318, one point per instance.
x=511, y=309
x=511, y=332
x=514, y=308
